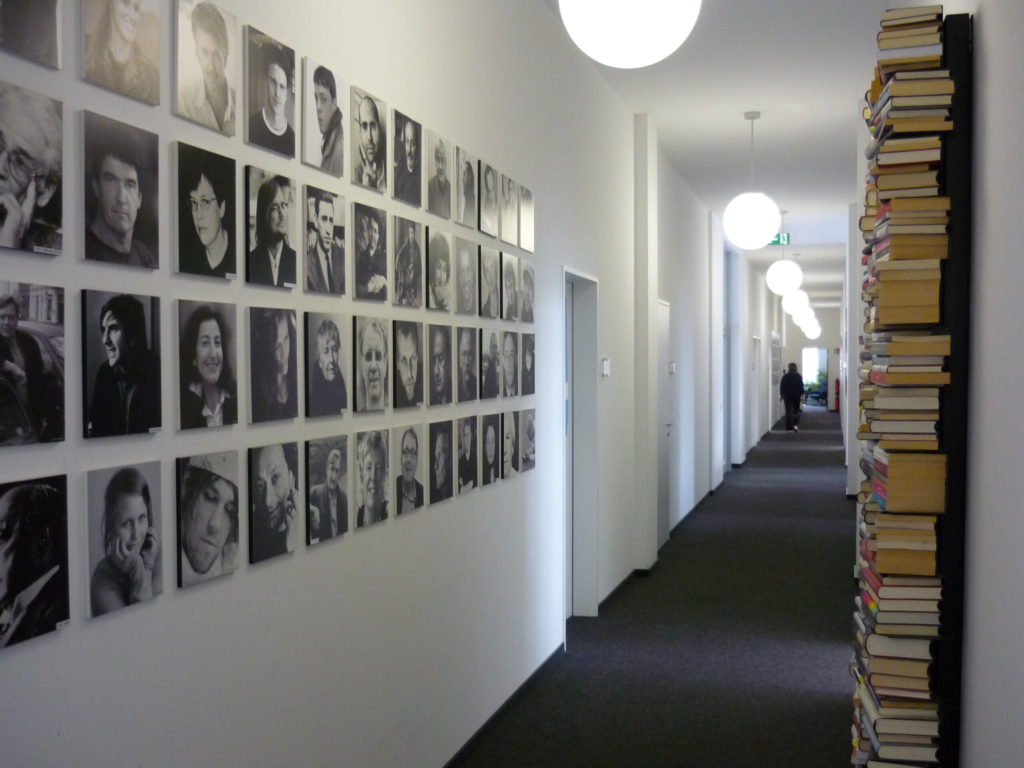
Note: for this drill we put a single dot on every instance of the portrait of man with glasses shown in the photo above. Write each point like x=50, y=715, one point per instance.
x=206, y=213
x=31, y=150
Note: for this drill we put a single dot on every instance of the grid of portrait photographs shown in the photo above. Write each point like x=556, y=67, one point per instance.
x=323, y=124
x=32, y=141
x=459, y=362
x=125, y=550
x=327, y=489
x=270, y=93
x=120, y=363
x=208, y=390
x=206, y=62
x=207, y=245
x=122, y=47
x=325, y=242
x=31, y=363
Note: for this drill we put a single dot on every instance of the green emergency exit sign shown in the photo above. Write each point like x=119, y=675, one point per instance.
x=780, y=239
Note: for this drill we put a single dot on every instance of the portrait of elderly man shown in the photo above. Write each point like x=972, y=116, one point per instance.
x=509, y=286
x=328, y=498
x=206, y=91
x=408, y=186
x=468, y=472
x=440, y=461
x=490, y=364
x=271, y=74
x=488, y=200
x=122, y=175
x=408, y=364
x=271, y=259
x=325, y=256
x=467, y=210
x=440, y=364
x=467, y=364
x=371, y=364
x=408, y=263
x=324, y=132
x=31, y=146
x=125, y=393
x=371, y=266
x=509, y=210
x=526, y=294
x=372, y=463
x=439, y=187
x=273, y=500
x=408, y=489
x=465, y=276
x=369, y=151
x=490, y=296
x=325, y=382
x=510, y=363
x=439, y=271
x=33, y=558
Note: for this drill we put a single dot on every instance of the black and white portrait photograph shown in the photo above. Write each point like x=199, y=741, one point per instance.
x=33, y=558
x=406, y=442
x=528, y=438
x=509, y=286
x=509, y=444
x=120, y=363
x=371, y=363
x=326, y=390
x=206, y=63
x=490, y=283
x=408, y=363
x=323, y=126
x=510, y=364
x=490, y=430
x=439, y=185
x=122, y=46
x=469, y=470
x=32, y=141
x=270, y=90
x=270, y=254
x=408, y=273
x=526, y=278
x=207, y=244
x=509, y=210
x=466, y=260
x=31, y=363
x=371, y=239
x=121, y=206
x=408, y=176
x=125, y=551
x=441, y=463
x=326, y=488
x=273, y=341
x=372, y=476
x=525, y=219
x=490, y=209
x=31, y=29
x=369, y=141
x=207, y=354
x=527, y=385
x=274, y=500
x=325, y=242
x=439, y=270
x=490, y=363
x=439, y=340
x=466, y=207
x=207, y=526
x=466, y=349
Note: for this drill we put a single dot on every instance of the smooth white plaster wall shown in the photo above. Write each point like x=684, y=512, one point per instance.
x=393, y=645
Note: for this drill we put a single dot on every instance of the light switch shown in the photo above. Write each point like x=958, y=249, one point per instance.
x=606, y=367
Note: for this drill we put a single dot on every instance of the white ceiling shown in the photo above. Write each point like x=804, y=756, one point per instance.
x=805, y=64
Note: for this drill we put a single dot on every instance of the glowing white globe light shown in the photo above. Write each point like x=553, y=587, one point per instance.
x=751, y=220
x=804, y=316
x=795, y=300
x=812, y=332
x=630, y=34
x=784, y=276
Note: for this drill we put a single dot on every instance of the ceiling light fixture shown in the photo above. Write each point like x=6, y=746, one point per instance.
x=751, y=219
x=784, y=275
x=629, y=34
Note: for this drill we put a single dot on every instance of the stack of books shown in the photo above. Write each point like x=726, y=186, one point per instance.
x=904, y=368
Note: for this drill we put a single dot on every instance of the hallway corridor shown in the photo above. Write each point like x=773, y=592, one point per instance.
x=733, y=653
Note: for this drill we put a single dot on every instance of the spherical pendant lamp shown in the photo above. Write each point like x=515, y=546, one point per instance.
x=794, y=301
x=751, y=219
x=783, y=277
x=632, y=34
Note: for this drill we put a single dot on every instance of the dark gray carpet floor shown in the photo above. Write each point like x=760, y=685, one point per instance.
x=732, y=653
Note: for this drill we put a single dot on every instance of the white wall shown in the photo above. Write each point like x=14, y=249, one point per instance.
x=393, y=645
x=684, y=281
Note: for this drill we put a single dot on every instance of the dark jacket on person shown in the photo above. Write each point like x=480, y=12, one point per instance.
x=261, y=272
x=792, y=386
x=126, y=398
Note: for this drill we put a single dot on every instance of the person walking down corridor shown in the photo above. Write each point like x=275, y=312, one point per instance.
x=791, y=390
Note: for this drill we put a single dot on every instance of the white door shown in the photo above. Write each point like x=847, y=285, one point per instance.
x=665, y=426
x=567, y=426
